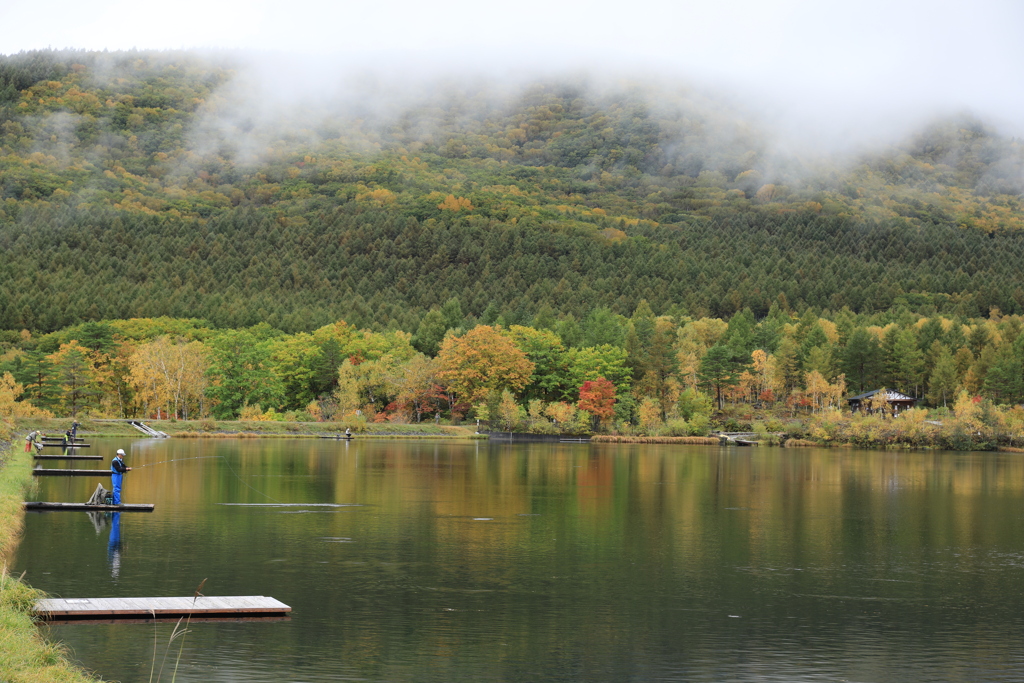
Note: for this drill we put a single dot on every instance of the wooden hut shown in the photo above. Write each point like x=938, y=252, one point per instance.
x=870, y=402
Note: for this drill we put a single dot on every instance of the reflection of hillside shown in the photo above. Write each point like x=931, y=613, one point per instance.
x=610, y=562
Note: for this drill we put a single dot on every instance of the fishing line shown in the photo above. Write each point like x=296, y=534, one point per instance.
x=245, y=482
x=201, y=457
x=176, y=460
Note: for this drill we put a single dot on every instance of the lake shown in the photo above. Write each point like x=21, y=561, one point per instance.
x=468, y=561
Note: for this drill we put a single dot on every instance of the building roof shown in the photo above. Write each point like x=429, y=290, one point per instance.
x=890, y=395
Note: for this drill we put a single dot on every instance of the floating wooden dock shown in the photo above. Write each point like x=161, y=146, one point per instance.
x=230, y=607
x=68, y=457
x=61, y=472
x=69, y=446
x=124, y=507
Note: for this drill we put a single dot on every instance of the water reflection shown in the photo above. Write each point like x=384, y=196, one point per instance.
x=114, y=545
x=435, y=561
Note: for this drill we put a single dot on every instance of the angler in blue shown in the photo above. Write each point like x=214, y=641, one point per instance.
x=117, y=470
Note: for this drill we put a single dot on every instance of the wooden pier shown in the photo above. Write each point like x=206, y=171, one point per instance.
x=68, y=457
x=59, y=444
x=227, y=607
x=61, y=472
x=38, y=506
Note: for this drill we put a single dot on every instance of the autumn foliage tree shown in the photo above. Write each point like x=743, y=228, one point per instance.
x=597, y=397
x=483, y=360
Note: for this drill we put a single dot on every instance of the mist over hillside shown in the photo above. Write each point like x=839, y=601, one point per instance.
x=246, y=188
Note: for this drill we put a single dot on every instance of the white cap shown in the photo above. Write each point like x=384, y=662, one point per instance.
x=120, y=451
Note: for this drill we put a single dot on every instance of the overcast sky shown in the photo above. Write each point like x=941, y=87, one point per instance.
x=868, y=59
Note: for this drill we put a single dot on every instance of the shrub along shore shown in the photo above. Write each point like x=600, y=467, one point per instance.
x=244, y=428
x=970, y=425
x=25, y=656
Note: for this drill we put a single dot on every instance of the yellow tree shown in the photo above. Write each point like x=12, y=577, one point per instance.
x=692, y=341
x=483, y=360
x=766, y=372
x=170, y=376
x=821, y=393
x=371, y=384
x=417, y=385
x=10, y=406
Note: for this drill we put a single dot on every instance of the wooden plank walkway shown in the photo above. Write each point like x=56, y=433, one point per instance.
x=70, y=446
x=68, y=457
x=123, y=507
x=150, y=619
x=203, y=606
x=61, y=472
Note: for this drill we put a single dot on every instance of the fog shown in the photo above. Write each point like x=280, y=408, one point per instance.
x=823, y=76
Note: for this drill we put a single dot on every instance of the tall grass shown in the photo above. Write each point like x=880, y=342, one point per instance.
x=25, y=657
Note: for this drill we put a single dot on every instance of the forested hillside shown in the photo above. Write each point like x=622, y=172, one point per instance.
x=178, y=241
x=147, y=184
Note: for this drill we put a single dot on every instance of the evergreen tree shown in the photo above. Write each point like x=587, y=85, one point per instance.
x=430, y=332
x=943, y=382
x=721, y=367
x=862, y=361
x=905, y=362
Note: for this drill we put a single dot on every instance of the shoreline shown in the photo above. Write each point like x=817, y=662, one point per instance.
x=225, y=429
x=26, y=656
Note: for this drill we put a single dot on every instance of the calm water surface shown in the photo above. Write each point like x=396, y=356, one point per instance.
x=541, y=562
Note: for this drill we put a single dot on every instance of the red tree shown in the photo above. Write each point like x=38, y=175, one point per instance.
x=597, y=397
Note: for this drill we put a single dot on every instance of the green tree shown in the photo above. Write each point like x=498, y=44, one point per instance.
x=77, y=380
x=905, y=361
x=943, y=382
x=592, y=362
x=242, y=372
x=721, y=367
x=294, y=360
x=430, y=332
x=545, y=350
x=862, y=361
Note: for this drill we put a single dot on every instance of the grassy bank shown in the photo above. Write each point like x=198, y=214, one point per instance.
x=237, y=428
x=25, y=657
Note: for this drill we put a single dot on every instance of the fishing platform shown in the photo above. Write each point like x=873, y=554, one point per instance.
x=62, y=472
x=39, y=506
x=68, y=457
x=207, y=607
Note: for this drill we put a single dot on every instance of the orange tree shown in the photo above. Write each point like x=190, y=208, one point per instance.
x=481, y=361
x=597, y=397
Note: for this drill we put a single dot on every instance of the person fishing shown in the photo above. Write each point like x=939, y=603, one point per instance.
x=34, y=438
x=117, y=470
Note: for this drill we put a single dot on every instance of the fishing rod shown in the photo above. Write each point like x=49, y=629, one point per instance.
x=199, y=457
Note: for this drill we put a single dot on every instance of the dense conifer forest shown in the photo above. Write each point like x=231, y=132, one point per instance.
x=642, y=234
